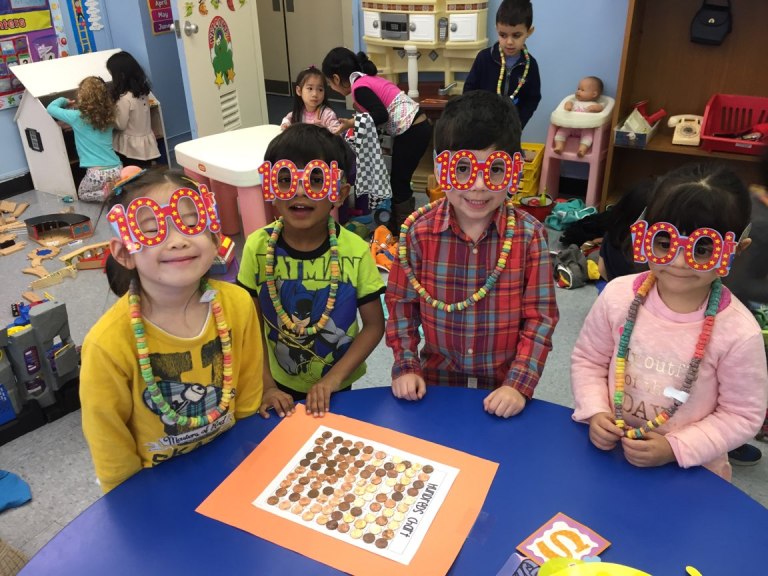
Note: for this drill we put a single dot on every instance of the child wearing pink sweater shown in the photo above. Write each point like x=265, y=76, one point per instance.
x=669, y=363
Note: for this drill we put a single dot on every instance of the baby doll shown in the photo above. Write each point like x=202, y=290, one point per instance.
x=585, y=100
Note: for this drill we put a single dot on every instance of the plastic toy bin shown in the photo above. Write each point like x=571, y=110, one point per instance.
x=733, y=114
x=529, y=183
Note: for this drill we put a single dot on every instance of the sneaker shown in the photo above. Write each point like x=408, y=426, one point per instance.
x=745, y=455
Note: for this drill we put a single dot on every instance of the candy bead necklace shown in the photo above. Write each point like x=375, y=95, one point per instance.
x=713, y=304
x=227, y=391
x=503, y=70
x=269, y=272
x=489, y=283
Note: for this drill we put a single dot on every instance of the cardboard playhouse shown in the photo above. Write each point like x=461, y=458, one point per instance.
x=49, y=145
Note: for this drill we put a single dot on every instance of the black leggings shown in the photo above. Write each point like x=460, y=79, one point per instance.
x=407, y=151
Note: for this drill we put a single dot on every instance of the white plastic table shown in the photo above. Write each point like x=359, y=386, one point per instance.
x=228, y=164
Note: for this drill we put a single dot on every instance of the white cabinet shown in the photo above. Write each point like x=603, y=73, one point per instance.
x=421, y=28
x=371, y=24
x=462, y=28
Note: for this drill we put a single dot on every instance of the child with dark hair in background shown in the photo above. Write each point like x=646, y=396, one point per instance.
x=616, y=248
x=310, y=103
x=748, y=280
x=507, y=68
x=309, y=277
x=92, y=117
x=391, y=109
x=133, y=140
x=669, y=363
x=161, y=367
x=473, y=271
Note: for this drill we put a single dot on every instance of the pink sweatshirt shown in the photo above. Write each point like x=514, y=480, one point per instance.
x=728, y=400
x=327, y=118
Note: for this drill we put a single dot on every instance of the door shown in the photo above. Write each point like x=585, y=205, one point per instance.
x=218, y=43
x=299, y=33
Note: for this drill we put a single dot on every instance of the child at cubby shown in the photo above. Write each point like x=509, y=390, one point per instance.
x=585, y=99
x=309, y=277
x=91, y=117
x=310, y=104
x=391, y=109
x=669, y=363
x=161, y=367
x=473, y=272
x=507, y=68
x=133, y=139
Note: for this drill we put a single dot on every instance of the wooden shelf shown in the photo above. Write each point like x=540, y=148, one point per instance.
x=660, y=64
x=663, y=143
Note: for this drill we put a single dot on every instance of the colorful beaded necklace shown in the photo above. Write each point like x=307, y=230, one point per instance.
x=713, y=304
x=269, y=272
x=489, y=283
x=227, y=391
x=503, y=70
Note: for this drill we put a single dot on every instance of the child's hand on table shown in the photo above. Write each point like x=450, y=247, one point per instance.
x=653, y=450
x=603, y=431
x=409, y=386
x=277, y=399
x=319, y=397
x=504, y=402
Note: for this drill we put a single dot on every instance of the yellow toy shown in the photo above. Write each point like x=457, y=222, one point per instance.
x=572, y=567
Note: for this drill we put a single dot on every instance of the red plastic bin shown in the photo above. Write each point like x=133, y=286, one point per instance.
x=733, y=114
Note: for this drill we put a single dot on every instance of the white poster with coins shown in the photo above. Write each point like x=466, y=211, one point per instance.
x=361, y=492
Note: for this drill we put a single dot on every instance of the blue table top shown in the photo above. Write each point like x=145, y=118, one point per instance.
x=658, y=519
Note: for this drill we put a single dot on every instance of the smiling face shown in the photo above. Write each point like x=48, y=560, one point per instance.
x=178, y=262
x=512, y=38
x=301, y=213
x=476, y=206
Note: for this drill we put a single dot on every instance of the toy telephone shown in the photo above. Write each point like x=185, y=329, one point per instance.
x=687, y=129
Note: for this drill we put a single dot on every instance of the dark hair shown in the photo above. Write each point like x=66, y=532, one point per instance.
x=301, y=143
x=343, y=61
x=599, y=83
x=514, y=12
x=701, y=196
x=478, y=120
x=127, y=76
x=298, y=103
x=119, y=278
x=625, y=213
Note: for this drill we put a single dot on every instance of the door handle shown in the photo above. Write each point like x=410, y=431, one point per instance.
x=189, y=28
x=289, y=6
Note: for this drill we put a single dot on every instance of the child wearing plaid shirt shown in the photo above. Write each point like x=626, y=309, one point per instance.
x=485, y=263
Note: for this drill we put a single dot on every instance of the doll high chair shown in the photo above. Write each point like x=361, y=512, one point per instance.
x=595, y=156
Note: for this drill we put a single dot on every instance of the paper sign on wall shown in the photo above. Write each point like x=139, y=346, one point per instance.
x=160, y=15
x=26, y=35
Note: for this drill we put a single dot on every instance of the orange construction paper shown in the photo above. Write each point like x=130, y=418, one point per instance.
x=231, y=502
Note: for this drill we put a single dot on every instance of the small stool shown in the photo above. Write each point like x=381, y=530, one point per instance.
x=595, y=156
x=228, y=164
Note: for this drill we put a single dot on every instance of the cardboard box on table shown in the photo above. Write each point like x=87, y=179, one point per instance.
x=49, y=145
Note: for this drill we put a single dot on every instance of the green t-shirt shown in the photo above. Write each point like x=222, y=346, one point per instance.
x=303, y=283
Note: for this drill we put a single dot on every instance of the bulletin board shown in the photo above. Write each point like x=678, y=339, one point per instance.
x=28, y=33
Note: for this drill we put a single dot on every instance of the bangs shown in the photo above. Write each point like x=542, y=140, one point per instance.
x=692, y=205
